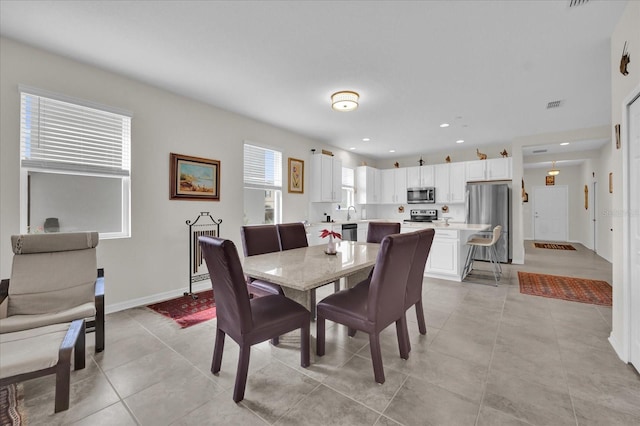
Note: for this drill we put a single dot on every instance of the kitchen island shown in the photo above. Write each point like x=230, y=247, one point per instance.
x=449, y=250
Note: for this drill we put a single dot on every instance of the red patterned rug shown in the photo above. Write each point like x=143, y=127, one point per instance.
x=187, y=311
x=581, y=290
x=554, y=246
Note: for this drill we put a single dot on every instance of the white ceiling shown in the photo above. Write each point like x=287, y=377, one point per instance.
x=487, y=67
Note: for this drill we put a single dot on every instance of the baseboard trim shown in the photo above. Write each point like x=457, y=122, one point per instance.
x=154, y=298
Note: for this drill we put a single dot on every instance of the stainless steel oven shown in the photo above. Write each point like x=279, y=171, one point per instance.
x=426, y=195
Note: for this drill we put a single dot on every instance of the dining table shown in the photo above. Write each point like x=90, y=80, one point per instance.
x=301, y=271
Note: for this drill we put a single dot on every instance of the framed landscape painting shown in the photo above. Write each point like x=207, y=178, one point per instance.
x=296, y=176
x=193, y=178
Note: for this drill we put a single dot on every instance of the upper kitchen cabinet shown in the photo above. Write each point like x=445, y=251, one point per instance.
x=393, y=186
x=493, y=169
x=326, y=179
x=420, y=176
x=367, y=185
x=450, y=182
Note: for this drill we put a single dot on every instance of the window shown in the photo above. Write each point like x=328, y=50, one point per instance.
x=262, y=185
x=348, y=192
x=74, y=165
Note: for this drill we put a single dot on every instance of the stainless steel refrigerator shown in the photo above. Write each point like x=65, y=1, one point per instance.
x=489, y=203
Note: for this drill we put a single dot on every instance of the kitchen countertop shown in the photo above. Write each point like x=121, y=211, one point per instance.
x=457, y=226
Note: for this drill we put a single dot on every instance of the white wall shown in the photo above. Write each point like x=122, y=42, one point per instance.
x=627, y=30
x=154, y=260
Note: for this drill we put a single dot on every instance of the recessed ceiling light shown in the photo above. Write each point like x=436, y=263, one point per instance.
x=564, y=143
x=352, y=148
x=444, y=125
x=392, y=150
x=365, y=139
x=460, y=141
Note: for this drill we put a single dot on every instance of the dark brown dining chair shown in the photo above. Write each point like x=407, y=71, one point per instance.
x=247, y=321
x=260, y=239
x=292, y=235
x=373, y=307
x=378, y=230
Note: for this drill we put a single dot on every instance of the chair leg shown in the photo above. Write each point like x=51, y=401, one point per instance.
x=320, y=336
x=494, y=264
x=468, y=264
x=79, y=349
x=217, y=351
x=336, y=286
x=376, y=357
x=422, y=325
x=312, y=297
x=403, y=337
x=305, y=356
x=63, y=380
x=241, y=375
x=99, y=323
x=275, y=341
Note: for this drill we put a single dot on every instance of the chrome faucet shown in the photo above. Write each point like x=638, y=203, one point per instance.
x=354, y=210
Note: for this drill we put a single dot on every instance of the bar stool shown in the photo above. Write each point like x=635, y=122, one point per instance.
x=490, y=243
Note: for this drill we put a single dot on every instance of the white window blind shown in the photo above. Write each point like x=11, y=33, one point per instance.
x=262, y=167
x=63, y=136
x=348, y=177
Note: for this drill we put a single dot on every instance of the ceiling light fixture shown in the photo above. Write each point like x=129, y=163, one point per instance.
x=392, y=150
x=460, y=141
x=553, y=171
x=352, y=148
x=365, y=139
x=345, y=100
x=564, y=143
x=444, y=125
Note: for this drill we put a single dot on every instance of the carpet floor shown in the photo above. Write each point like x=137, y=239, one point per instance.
x=581, y=290
x=187, y=311
x=11, y=405
x=554, y=246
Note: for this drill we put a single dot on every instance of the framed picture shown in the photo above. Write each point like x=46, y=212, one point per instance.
x=193, y=178
x=296, y=176
x=550, y=180
x=610, y=183
x=617, y=127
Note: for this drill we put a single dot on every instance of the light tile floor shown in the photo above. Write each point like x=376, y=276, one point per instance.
x=491, y=356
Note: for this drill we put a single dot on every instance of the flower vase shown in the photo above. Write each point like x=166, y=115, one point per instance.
x=331, y=246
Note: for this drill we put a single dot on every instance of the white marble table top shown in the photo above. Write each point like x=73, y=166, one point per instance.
x=309, y=267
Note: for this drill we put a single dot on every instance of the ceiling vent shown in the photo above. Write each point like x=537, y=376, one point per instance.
x=554, y=104
x=574, y=3
x=539, y=151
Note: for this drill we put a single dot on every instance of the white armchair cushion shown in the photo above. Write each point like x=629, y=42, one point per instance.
x=17, y=323
x=30, y=350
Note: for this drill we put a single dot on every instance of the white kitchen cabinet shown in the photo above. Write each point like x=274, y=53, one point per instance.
x=393, y=186
x=367, y=185
x=420, y=176
x=492, y=169
x=444, y=256
x=326, y=179
x=499, y=168
x=450, y=182
x=313, y=233
x=363, y=230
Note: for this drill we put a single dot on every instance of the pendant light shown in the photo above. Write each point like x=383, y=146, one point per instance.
x=553, y=171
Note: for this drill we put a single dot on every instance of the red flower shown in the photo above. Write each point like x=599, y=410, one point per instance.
x=325, y=233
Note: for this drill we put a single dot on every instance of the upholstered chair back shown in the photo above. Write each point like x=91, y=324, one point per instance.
x=416, y=273
x=389, y=280
x=376, y=231
x=292, y=235
x=259, y=239
x=52, y=272
x=233, y=309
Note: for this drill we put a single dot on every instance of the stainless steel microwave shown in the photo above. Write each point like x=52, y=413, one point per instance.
x=425, y=195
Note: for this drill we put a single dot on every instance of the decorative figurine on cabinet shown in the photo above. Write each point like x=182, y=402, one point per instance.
x=481, y=155
x=448, y=159
x=421, y=161
x=396, y=164
x=504, y=153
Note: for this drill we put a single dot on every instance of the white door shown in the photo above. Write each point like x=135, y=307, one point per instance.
x=634, y=225
x=550, y=213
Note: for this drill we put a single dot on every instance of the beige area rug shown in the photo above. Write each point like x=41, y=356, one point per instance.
x=12, y=405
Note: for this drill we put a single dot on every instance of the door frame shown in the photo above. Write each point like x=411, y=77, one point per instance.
x=566, y=200
x=624, y=348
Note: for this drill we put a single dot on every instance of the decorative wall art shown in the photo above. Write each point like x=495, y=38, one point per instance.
x=586, y=197
x=193, y=178
x=624, y=60
x=296, y=176
x=610, y=183
x=550, y=180
x=617, y=128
